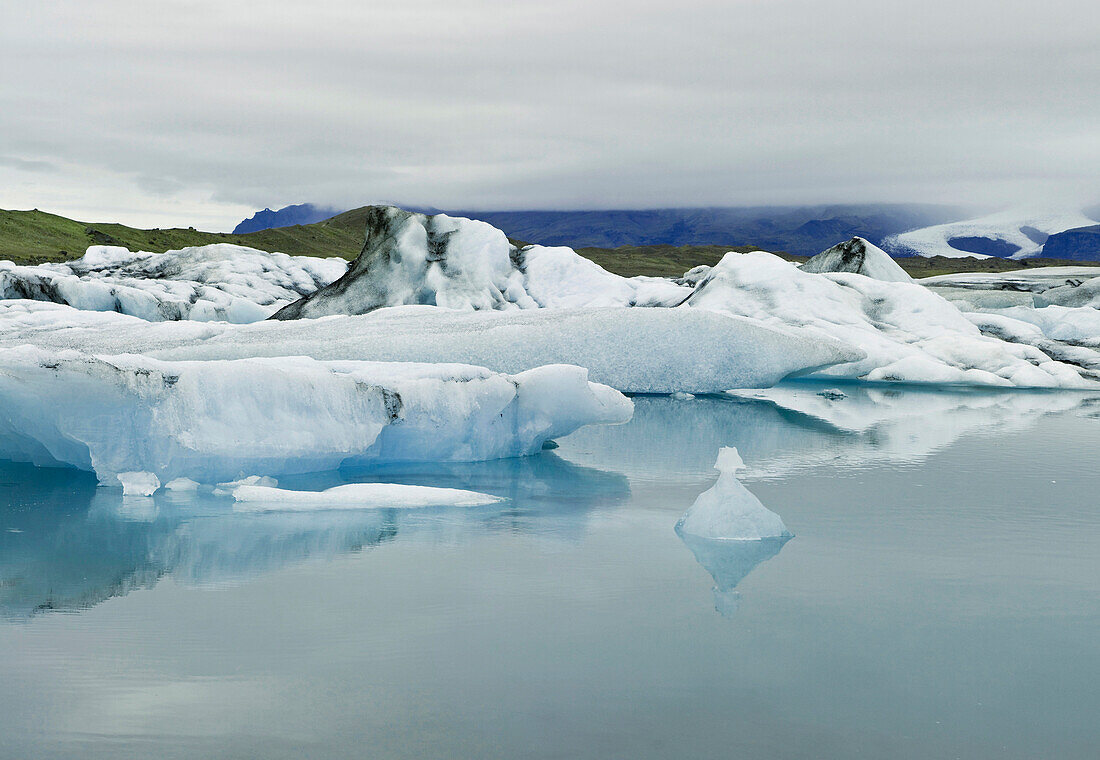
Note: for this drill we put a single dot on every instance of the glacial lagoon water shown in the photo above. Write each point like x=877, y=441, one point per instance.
x=940, y=598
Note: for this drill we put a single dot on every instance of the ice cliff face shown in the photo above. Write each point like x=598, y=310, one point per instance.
x=213, y=421
x=463, y=264
x=858, y=256
x=220, y=282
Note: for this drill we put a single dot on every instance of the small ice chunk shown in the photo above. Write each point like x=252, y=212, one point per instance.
x=251, y=480
x=681, y=396
x=138, y=483
x=259, y=498
x=728, y=510
x=225, y=489
x=181, y=484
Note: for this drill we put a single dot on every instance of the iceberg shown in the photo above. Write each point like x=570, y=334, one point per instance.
x=457, y=263
x=728, y=511
x=251, y=498
x=139, y=483
x=857, y=256
x=908, y=333
x=212, y=421
x=212, y=282
x=632, y=350
x=1043, y=286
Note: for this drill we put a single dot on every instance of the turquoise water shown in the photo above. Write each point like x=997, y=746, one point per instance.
x=940, y=598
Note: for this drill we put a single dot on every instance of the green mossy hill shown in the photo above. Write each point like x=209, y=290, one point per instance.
x=33, y=237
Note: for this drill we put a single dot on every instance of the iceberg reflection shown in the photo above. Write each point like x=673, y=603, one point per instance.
x=728, y=562
x=800, y=424
x=67, y=545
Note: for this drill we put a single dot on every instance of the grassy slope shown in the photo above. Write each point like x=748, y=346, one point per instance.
x=31, y=237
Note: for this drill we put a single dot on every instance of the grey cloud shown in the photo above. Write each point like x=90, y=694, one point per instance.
x=564, y=104
x=27, y=165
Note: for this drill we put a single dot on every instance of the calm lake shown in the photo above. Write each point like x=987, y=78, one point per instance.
x=940, y=598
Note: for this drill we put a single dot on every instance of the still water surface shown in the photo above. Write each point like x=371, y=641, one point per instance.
x=940, y=598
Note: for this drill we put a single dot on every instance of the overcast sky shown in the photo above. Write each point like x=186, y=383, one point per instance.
x=197, y=113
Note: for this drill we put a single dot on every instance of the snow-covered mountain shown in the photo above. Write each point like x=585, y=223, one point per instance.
x=1015, y=233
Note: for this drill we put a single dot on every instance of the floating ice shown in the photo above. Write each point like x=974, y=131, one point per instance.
x=909, y=333
x=212, y=420
x=857, y=256
x=1042, y=286
x=212, y=282
x=138, y=483
x=633, y=350
x=356, y=496
x=464, y=264
x=728, y=510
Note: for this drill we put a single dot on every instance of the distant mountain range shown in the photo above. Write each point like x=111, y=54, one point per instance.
x=1079, y=244
x=798, y=230
x=35, y=236
x=288, y=216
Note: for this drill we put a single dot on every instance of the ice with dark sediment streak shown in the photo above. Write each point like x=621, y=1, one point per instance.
x=465, y=264
x=857, y=256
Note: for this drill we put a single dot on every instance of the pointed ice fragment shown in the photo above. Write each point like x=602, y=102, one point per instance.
x=858, y=256
x=728, y=511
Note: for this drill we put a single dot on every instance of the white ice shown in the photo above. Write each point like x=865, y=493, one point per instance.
x=728, y=510
x=138, y=483
x=908, y=333
x=633, y=350
x=251, y=498
x=213, y=282
x=213, y=420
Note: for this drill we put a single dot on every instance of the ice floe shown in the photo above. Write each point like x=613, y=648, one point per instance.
x=1042, y=286
x=213, y=282
x=254, y=498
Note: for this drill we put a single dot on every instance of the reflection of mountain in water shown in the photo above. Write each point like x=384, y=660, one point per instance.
x=728, y=562
x=802, y=424
x=66, y=545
